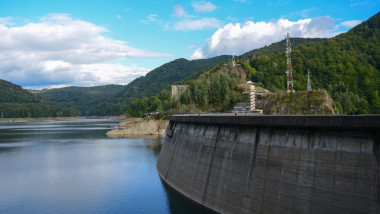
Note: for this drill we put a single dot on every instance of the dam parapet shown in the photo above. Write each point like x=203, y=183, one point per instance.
x=275, y=164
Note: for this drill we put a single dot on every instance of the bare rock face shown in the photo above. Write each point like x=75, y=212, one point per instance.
x=137, y=127
x=313, y=102
x=234, y=70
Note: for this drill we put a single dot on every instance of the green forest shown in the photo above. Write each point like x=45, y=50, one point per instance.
x=212, y=90
x=113, y=99
x=17, y=102
x=88, y=101
x=347, y=66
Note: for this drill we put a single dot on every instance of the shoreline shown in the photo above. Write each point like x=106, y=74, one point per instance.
x=52, y=119
x=139, y=127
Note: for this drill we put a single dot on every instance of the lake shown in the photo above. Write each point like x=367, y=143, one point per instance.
x=73, y=167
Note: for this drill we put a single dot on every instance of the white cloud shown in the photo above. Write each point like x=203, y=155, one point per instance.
x=179, y=10
x=351, y=23
x=60, y=50
x=6, y=21
x=197, y=24
x=203, y=6
x=152, y=18
x=197, y=54
x=236, y=38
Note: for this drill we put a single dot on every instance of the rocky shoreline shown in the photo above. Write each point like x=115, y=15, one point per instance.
x=138, y=127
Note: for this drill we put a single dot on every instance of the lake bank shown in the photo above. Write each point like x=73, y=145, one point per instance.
x=49, y=119
x=137, y=127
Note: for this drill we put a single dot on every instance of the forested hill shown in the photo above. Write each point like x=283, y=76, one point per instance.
x=17, y=102
x=113, y=99
x=159, y=78
x=278, y=47
x=87, y=100
x=347, y=66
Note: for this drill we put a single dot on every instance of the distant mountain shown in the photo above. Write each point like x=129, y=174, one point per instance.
x=171, y=72
x=84, y=99
x=113, y=99
x=18, y=102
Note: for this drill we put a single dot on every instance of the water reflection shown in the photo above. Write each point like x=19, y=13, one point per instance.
x=72, y=167
x=180, y=204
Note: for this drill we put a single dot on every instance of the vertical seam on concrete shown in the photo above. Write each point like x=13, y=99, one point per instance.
x=266, y=171
x=229, y=154
x=252, y=164
x=253, y=161
x=315, y=163
x=198, y=155
x=209, y=170
x=283, y=160
x=171, y=157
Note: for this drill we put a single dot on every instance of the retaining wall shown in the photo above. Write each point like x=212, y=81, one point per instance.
x=275, y=164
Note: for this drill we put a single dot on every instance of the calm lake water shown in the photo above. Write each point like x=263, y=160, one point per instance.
x=73, y=167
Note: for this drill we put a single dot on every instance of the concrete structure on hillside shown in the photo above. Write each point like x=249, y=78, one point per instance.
x=251, y=105
x=252, y=96
x=177, y=90
x=241, y=108
x=275, y=164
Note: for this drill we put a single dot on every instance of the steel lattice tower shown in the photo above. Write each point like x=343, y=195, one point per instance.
x=289, y=65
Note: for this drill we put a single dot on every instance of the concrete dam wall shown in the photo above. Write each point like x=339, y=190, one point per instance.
x=275, y=164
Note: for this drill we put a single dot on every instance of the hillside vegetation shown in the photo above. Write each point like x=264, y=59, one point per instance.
x=113, y=99
x=159, y=78
x=87, y=100
x=347, y=66
x=303, y=102
x=278, y=47
x=17, y=102
x=214, y=90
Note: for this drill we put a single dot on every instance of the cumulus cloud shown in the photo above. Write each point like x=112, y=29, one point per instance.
x=179, y=10
x=61, y=50
x=6, y=21
x=351, y=23
x=197, y=24
x=237, y=38
x=197, y=54
x=203, y=6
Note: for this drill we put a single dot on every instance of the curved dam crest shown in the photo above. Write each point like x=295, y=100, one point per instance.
x=275, y=164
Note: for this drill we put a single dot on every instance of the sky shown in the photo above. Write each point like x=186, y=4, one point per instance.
x=55, y=43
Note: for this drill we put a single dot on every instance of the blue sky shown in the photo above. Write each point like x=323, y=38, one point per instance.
x=46, y=44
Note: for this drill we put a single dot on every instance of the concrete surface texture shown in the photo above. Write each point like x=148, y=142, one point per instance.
x=319, y=164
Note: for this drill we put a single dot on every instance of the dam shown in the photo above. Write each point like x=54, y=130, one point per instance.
x=275, y=164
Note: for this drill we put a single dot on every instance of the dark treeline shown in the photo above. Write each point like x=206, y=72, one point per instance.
x=17, y=102
x=98, y=100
